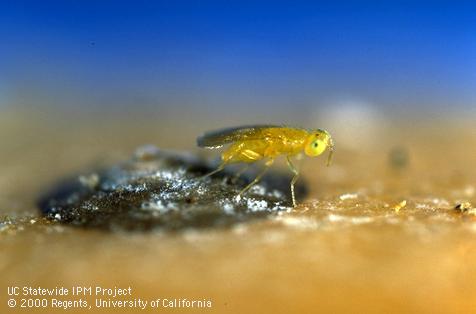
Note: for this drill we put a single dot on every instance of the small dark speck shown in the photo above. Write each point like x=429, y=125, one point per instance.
x=463, y=207
x=399, y=158
x=190, y=200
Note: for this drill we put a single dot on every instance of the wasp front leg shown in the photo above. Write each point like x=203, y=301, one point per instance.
x=293, y=181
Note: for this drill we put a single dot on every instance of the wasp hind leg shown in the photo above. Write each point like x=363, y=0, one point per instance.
x=258, y=177
x=220, y=168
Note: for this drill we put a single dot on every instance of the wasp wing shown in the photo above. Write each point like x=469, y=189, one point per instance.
x=218, y=138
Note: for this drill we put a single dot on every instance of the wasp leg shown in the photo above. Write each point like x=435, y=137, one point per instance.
x=220, y=168
x=258, y=177
x=239, y=173
x=293, y=181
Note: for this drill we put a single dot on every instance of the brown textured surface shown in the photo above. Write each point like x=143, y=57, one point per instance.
x=345, y=248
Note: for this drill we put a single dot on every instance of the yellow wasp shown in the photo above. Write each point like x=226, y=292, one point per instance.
x=249, y=144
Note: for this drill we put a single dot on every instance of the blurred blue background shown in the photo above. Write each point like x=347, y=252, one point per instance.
x=265, y=59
